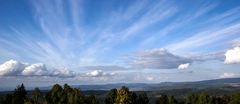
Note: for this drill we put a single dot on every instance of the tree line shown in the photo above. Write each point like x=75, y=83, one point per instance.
x=68, y=95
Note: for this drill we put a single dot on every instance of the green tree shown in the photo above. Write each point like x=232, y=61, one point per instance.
x=235, y=99
x=8, y=99
x=55, y=94
x=75, y=97
x=37, y=96
x=204, y=98
x=19, y=95
x=162, y=100
x=172, y=100
x=111, y=96
x=192, y=99
x=226, y=99
x=123, y=96
x=134, y=98
x=91, y=99
x=143, y=98
x=67, y=91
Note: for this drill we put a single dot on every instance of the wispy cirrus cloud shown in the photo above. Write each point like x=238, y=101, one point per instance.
x=220, y=27
x=63, y=36
x=200, y=39
x=90, y=38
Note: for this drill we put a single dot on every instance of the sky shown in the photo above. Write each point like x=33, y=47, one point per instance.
x=43, y=42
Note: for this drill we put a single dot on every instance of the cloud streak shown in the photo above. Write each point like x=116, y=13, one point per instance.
x=93, y=40
x=230, y=75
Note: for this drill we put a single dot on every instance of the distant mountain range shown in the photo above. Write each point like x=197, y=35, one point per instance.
x=216, y=83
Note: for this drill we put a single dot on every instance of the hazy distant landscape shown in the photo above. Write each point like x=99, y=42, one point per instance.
x=119, y=52
x=181, y=91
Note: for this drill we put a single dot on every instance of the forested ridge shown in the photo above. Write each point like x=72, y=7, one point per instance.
x=67, y=95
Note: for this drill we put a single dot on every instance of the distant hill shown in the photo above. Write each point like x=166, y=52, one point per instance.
x=216, y=83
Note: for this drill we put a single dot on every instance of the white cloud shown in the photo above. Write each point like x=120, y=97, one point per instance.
x=183, y=66
x=35, y=69
x=229, y=75
x=233, y=56
x=99, y=73
x=158, y=59
x=16, y=68
x=63, y=72
x=11, y=67
x=95, y=73
x=150, y=78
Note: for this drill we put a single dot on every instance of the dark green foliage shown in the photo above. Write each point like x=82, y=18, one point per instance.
x=68, y=95
x=163, y=99
x=55, y=94
x=235, y=99
x=123, y=96
x=91, y=99
x=75, y=97
x=8, y=99
x=191, y=99
x=19, y=95
x=111, y=96
x=37, y=97
x=142, y=99
x=204, y=98
x=67, y=91
x=71, y=96
x=172, y=100
x=134, y=98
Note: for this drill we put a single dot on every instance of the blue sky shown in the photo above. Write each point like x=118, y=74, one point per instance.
x=111, y=41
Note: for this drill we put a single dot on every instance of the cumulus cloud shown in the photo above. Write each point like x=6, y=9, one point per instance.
x=183, y=66
x=11, y=67
x=63, y=72
x=232, y=56
x=149, y=78
x=158, y=59
x=95, y=73
x=230, y=75
x=16, y=68
x=99, y=73
x=35, y=69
